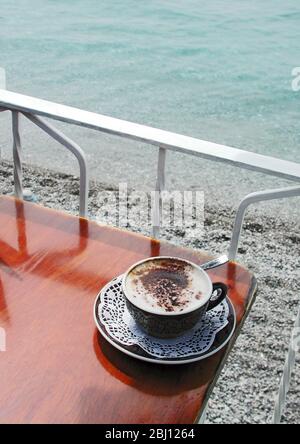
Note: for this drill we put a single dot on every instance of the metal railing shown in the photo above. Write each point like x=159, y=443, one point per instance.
x=34, y=109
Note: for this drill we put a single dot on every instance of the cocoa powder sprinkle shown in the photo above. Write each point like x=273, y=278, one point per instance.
x=168, y=283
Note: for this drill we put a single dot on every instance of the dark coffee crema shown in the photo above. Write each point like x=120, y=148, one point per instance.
x=166, y=285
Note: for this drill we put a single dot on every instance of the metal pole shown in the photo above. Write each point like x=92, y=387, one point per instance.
x=249, y=200
x=287, y=372
x=17, y=153
x=76, y=150
x=160, y=186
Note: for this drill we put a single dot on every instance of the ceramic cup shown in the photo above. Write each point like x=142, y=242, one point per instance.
x=158, y=321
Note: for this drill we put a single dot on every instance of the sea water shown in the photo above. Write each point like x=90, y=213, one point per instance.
x=216, y=70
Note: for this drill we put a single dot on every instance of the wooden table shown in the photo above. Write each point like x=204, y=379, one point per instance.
x=56, y=367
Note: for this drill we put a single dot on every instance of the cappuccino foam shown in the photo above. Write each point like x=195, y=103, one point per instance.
x=166, y=286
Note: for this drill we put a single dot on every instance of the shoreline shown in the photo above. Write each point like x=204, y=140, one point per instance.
x=248, y=385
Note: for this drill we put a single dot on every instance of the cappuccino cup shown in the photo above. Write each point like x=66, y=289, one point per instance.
x=167, y=296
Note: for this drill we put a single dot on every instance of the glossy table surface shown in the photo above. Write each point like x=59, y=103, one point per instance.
x=56, y=367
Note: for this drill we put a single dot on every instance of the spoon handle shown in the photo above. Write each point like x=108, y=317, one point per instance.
x=215, y=262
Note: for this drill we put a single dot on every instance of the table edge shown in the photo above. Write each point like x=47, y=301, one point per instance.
x=252, y=297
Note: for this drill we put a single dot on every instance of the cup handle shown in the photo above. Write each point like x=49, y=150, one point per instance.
x=221, y=290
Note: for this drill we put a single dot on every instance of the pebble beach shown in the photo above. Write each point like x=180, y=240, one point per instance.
x=247, y=388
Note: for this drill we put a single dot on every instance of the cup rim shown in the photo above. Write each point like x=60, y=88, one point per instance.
x=202, y=302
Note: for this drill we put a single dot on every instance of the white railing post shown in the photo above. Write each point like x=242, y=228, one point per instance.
x=287, y=372
x=78, y=153
x=160, y=186
x=252, y=198
x=17, y=155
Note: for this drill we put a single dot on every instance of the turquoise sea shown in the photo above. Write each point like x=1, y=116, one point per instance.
x=218, y=70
